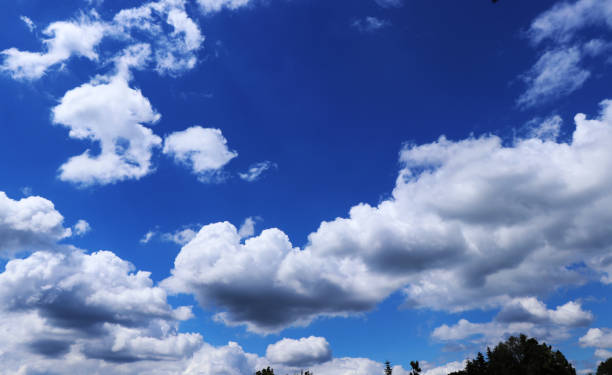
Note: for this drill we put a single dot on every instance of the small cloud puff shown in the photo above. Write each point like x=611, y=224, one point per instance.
x=204, y=150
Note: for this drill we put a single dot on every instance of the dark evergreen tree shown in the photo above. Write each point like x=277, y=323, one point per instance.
x=416, y=370
x=388, y=369
x=519, y=356
x=605, y=368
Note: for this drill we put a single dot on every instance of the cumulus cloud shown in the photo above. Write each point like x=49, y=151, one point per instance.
x=174, y=52
x=65, y=39
x=597, y=338
x=471, y=224
x=28, y=224
x=522, y=315
x=247, y=229
x=108, y=111
x=304, y=352
x=180, y=237
x=256, y=170
x=204, y=150
x=81, y=228
x=96, y=307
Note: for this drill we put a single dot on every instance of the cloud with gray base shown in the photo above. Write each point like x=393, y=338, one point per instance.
x=471, y=224
x=30, y=223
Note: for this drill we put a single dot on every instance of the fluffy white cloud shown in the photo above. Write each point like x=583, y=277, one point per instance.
x=522, y=315
x=471, y=224
x=247, y=229
x=92, y=310
x=81, y=228
x=226, y=360
x=209, y=6
x=256, y=170
x=204, y=150
x=180, y=237
x=173, y=52
x=444, y=369
x=29, y=224
x=304, y=352
x=557, y=73
x=597, y=338
x=108, y=111
x=66, y=39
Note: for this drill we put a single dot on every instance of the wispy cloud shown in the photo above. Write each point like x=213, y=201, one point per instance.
x=370, y=24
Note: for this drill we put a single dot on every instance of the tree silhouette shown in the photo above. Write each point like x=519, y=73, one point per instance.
x=388, y=369
x=605, y=368
x=519, y=356
x=266, y=371
x=416, y=370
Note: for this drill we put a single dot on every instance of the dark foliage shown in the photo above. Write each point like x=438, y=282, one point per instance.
x=388, y=369
x=605, y=368
x=519, y=356
x=416, y=370
x=266, y=371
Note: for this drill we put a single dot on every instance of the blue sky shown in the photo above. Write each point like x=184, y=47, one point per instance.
x=215, y=186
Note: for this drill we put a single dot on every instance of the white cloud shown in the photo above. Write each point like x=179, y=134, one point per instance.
x=547, y=129
x=29, y=224
x=108, y=111
x=557, y=73
x=204, y=150
x=603, y=354
x=560, y=69
x=471, y=224
x=370, y=24
x=148, y=237
x=29, y=23
x=173, y=52
x=256, y=170
x=81, y=228
x=81, y=310
x=445, y=369
x=78, y=38
x=247, y=229
x=565, y=19
x=303, y=353
x=521, y=315
x=226, y=360
x=209, y=6
x=180, y=237
x=597, y=338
